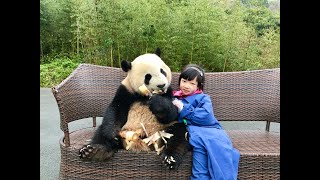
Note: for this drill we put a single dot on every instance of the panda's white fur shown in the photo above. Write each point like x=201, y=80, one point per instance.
x=142, y=65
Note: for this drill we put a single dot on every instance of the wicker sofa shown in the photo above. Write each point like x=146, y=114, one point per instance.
x=237, y=96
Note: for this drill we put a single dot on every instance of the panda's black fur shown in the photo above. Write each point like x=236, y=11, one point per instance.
x=106, y=140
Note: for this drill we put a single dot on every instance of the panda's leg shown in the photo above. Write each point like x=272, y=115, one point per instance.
x=102, y=146
x=177, y=146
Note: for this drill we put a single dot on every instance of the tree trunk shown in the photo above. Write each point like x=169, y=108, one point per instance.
x=111, y=59
x=41, y=49
x=78, y=31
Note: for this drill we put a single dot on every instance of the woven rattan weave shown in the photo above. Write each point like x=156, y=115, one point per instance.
x=237, y=96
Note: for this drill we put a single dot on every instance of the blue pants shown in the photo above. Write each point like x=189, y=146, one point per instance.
x=214, y=157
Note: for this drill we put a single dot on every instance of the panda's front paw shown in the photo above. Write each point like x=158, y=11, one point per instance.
x=158, y=106
x=171, y=161
x=96, y=152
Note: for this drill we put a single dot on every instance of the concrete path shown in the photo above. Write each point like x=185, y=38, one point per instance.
x=50, y=133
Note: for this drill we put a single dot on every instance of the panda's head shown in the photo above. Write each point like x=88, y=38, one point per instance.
x=148, y=69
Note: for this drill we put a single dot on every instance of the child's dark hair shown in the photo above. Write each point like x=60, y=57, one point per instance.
x=191, y=71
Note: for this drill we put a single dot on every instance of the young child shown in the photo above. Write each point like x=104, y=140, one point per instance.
x=214, y=157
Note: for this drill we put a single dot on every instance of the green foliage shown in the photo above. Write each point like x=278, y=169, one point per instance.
x=256, y=3
x=220, y=35
x=262, y=19
x=53, y=73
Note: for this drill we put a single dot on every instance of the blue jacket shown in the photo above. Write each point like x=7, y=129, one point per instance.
x=198, y=111
x=214, y=157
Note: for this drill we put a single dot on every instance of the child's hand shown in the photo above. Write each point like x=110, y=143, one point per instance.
x=178, y=103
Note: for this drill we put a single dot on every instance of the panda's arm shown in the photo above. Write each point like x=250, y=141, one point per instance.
x=115, y=115
x=163, y=108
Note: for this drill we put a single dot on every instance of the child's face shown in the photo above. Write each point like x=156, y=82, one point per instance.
x=188, y=87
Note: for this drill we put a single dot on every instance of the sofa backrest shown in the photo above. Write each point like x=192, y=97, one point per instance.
x=236, y=96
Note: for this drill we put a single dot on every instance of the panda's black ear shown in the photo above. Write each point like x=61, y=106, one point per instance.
x=158, y=52
x=125, y=65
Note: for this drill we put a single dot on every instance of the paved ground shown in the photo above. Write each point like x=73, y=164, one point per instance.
x=50, y=133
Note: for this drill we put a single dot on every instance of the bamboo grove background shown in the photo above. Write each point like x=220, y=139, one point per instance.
x=219, y=35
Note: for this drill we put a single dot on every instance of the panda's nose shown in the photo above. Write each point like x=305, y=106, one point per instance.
x=161, y=86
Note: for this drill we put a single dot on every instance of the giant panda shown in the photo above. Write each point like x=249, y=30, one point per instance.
x=145, y=115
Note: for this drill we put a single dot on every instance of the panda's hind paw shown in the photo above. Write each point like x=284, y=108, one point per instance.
x=170, y=162
x=96, y=152
x=86, y=151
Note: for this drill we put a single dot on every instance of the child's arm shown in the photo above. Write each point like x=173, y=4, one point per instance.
x=199, y=113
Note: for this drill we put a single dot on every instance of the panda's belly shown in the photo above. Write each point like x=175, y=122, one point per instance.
x=140, y=117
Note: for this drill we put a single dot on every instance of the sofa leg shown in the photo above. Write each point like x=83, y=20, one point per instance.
x=94, y=121
x=268, y=126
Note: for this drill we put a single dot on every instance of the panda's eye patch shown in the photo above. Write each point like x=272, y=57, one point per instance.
x=147, y=78
x=163, y=72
